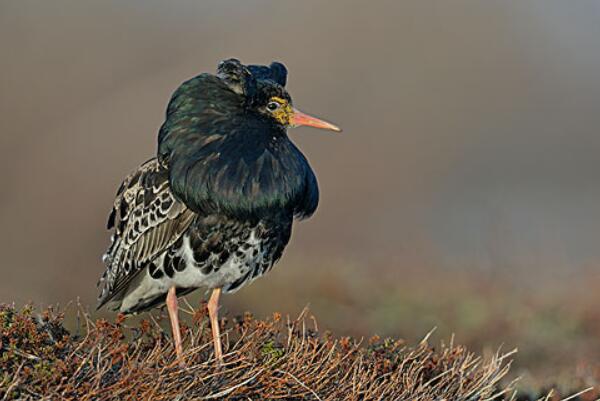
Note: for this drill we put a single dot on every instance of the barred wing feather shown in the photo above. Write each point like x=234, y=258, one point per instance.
x=147, y=220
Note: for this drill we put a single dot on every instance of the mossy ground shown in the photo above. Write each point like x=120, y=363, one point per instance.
x=273, y=359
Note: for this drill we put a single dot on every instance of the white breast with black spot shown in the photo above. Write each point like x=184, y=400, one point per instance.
x=245, y=259
x=244, y=264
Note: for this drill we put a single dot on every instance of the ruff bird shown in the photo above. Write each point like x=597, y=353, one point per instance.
x=214, y=209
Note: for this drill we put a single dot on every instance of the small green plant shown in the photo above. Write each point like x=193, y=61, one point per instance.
x=270, y=350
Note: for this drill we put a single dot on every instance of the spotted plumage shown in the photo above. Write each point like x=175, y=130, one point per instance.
x=159, y=242
x=215, y=208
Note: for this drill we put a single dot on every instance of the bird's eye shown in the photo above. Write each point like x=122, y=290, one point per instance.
x=272, y=106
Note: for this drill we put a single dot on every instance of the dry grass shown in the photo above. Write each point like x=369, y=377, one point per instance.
x=276, y=359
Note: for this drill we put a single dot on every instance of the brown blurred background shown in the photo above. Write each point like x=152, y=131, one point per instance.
x=464, y=192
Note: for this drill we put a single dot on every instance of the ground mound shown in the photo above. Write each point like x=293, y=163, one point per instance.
x=273, y=359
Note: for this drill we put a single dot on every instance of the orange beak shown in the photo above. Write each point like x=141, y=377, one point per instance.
x=299, y=118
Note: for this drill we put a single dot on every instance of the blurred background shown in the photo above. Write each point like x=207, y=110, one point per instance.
x=464, y=192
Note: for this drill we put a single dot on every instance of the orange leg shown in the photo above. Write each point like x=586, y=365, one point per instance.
x=213, y=313
x=172, y=308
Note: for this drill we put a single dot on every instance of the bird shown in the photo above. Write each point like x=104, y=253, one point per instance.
x=214, y=207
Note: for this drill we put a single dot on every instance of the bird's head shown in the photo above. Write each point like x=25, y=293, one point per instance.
x=264, y=90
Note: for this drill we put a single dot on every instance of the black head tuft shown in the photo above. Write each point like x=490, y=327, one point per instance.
x=255, y=82
x=276, y=72
x=237, y=77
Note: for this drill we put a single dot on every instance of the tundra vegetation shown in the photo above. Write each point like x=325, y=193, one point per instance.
x=272, y=359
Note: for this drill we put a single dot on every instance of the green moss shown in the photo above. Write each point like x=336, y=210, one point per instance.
x=270, y=350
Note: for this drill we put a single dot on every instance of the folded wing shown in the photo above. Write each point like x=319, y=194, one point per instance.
x=147, y=220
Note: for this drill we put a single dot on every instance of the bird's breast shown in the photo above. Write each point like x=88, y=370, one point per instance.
x=244, y=177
